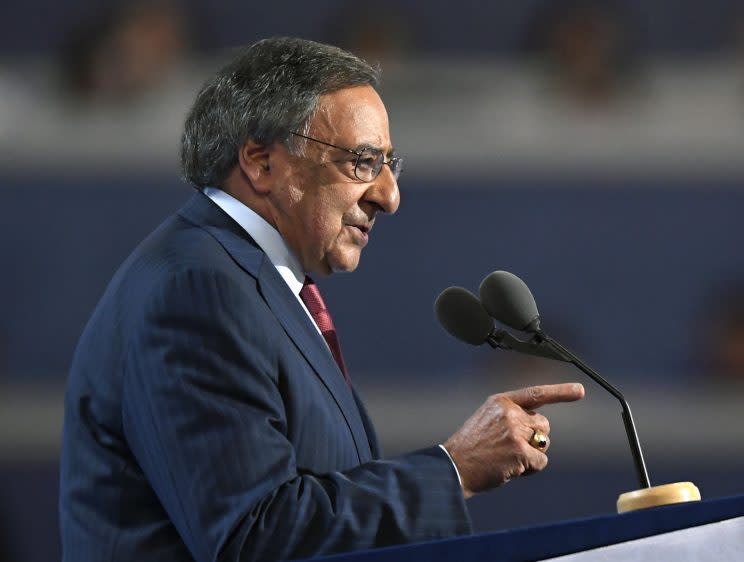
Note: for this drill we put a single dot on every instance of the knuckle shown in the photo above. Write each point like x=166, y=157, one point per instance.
x=523, y=462
x=542, y=423
x=536, y=393
x=542, y=462
x=511, y=416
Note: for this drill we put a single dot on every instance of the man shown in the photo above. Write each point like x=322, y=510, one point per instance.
x=209, y=414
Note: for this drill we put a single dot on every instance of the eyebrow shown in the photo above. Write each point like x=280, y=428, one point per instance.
x=390, y=153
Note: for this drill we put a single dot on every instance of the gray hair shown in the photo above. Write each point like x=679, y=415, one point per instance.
x=271, y=88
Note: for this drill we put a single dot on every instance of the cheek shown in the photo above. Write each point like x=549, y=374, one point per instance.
x=327, y=219
x=316, y=217
x=341, y=251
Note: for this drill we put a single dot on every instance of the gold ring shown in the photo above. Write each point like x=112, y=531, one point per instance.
x=539, y=440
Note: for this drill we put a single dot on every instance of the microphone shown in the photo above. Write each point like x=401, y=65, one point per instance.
x=508, y=299
x=463, y=316
x=505, y=297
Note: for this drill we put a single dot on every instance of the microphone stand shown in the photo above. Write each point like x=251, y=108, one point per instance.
x=542, y=345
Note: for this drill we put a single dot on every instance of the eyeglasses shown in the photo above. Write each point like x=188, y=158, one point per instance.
x=369, y=161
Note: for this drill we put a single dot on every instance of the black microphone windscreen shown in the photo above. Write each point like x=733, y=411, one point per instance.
x=463, y=315
x=508, y=299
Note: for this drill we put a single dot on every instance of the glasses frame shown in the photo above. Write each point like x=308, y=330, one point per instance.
x=394, y=162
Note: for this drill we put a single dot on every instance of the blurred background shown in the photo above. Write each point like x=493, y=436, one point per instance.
x=591, y=147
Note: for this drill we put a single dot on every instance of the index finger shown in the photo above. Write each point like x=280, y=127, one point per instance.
x=535, y=396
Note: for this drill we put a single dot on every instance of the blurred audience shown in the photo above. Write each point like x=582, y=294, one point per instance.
x=587, y=47
x=722, y=329
x=378, y=40
x=127, y=52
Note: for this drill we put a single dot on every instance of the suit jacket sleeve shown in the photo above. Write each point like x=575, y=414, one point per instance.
x=204, y=415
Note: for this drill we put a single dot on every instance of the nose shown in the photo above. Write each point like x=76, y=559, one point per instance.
x=383, y=192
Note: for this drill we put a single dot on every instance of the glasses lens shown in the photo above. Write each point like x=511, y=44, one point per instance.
x=369, y=163
x=396, y=166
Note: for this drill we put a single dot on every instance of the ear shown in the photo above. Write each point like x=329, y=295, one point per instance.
x=254, y=163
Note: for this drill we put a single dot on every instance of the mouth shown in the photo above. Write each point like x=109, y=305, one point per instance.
x=360, y=232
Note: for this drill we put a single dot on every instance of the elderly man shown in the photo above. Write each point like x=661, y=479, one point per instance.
x=209, y=414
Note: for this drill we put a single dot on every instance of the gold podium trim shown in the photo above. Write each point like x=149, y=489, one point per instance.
x=666, y=494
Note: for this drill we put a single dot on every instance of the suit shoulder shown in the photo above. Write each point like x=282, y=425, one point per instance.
x=176, y=250
x=179, y=246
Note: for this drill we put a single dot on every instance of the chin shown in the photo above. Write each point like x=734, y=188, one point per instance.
x=344, y=268
x=344, y=264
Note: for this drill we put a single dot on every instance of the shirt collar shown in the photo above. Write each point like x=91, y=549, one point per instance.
x=265, y=235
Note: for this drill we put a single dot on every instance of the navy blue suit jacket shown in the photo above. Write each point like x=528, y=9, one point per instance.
x=206, y=419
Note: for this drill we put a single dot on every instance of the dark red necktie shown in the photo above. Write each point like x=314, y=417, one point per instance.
x=310, y=295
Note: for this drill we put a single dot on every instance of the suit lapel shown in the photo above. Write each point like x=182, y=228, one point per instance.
x=201, y=211
x=300, y=329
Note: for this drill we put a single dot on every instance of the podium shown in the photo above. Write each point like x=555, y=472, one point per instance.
x=699, y=531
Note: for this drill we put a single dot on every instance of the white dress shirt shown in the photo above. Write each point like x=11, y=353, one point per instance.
x=268, y=239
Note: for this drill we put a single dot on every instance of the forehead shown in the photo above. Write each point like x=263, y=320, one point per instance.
x=352, y=117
